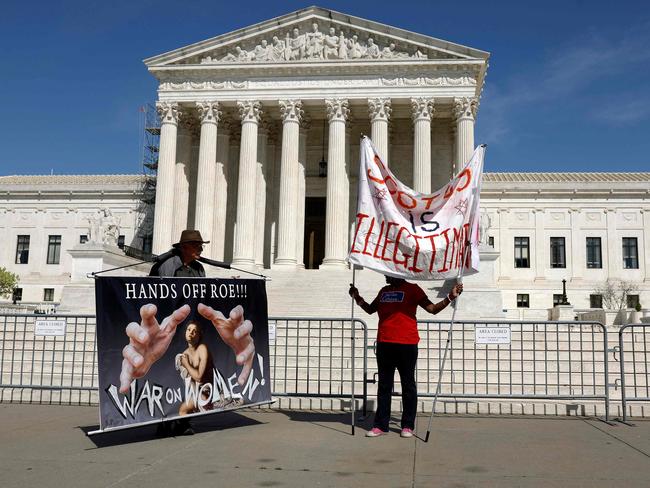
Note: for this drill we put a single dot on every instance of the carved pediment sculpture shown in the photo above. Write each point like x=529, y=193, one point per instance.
x=314, y=45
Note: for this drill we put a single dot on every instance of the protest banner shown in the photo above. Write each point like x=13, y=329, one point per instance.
x=407, y=234
x=169, y=347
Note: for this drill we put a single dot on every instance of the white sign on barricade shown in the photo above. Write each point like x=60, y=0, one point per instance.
x=492, y=335
x=49, y=327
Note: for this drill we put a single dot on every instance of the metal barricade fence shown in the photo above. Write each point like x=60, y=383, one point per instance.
x=544, y=360
x=309, y=357
x=48, y=368
x=635, y=372
x=319, y=357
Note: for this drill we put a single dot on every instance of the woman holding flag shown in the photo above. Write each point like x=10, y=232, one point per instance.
x=397, y=345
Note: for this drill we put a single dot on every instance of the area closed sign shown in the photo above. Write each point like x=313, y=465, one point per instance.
x=492, y=335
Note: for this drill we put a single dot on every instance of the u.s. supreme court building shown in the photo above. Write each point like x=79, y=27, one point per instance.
x=259, y=150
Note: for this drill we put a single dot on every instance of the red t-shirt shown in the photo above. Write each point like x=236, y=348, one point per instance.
x=396, y=307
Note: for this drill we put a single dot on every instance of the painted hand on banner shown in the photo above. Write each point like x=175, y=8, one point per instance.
x=148, y=341
x=236, y=332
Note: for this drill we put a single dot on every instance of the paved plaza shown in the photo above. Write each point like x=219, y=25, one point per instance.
x=47, y=446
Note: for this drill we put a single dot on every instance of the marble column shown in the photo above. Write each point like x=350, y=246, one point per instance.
x=302, y=190
x=577, y=245
x=338, y=191
x=209, y=116
x=164, y=208
x=260, y=193
x=464, y=113
x=292, y=114
x=379, y=110
x=221, y=178
x=422, y=112
x=250, y=112
x=542, y=246
x=182, y=176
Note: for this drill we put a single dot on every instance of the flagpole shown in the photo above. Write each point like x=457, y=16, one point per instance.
x=354, y=270
x=459, y=279
x=352, y=334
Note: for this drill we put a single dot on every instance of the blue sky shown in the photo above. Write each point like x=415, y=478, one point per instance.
x=567, y=90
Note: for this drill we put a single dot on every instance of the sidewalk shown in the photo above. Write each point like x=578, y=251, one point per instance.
x=46, y=446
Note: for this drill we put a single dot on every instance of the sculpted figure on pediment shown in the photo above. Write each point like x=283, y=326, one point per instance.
x=390, y=52
x=278, y=49
x=372, y=50
x=241, y=54
x=296, y=44
x=343, y=46
x=331, y=43
x=355, y=50
x=262, y=51
x=314, y=41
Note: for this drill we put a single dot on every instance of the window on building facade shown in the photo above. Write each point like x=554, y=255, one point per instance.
x=595, y=301
x=17, y=295
x=22, y=249
x=523, y=300
x=594, y=253
x=48, y=295
x=522, y=252
x=54, y=250
x=557, y=299
x=83, y=239
x=558, y=252
x=120, y=242
x=632, y=300
x=491, y=241
x=630, y=253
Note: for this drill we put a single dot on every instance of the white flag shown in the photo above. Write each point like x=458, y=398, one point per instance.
x=403, y=233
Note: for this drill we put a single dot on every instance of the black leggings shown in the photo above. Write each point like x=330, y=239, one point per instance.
x=391, y=356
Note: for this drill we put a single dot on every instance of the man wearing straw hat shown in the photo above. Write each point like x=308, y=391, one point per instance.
x=183, y=263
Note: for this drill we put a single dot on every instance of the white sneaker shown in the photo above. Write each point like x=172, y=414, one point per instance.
x=406, y=432
x=375, y=432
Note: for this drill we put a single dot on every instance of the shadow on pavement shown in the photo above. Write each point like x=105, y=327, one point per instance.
x=340, y=420
x=205, y=423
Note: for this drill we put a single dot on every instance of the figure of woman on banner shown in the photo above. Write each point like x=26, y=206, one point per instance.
x=196, y=367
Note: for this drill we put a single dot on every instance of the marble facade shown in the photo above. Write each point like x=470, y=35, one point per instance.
x=246, y=120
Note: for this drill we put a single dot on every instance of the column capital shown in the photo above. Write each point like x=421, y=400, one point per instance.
x=422, y=108
x=337, y=109
x=379, y=109
x=168, y=112
x=465, y=108
x=249, y=111
x=209, y=112
x=291, y=110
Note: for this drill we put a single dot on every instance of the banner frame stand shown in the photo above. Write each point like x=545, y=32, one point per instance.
x=169, y=419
